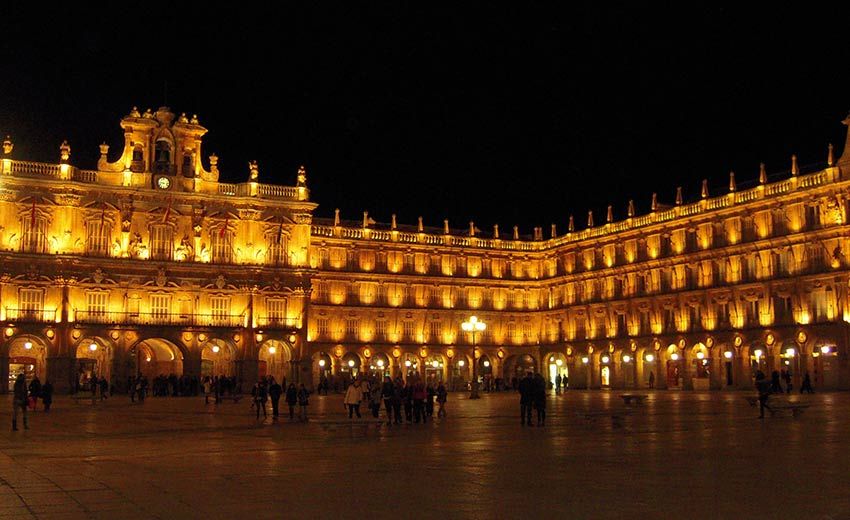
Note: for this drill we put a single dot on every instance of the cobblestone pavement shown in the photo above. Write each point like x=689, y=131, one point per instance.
x=679, y=455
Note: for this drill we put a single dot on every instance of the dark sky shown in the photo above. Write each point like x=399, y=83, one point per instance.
x=511, y=115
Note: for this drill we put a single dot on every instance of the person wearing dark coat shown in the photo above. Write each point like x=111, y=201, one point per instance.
x=526, y=398
x=387, y=391
x=807, y=385
x=47, y=395
x=35, y=391
x=540, y=399
x=275, y=391
x=292, y=399
x=763, y=386
x=19, y=401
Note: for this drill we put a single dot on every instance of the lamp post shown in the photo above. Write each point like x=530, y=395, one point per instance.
x=473, y=326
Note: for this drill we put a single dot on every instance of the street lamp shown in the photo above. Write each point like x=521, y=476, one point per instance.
x=473, y=326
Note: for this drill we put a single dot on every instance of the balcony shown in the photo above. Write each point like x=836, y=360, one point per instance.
x=277, y=322
x=30, y=315
x=152, y=318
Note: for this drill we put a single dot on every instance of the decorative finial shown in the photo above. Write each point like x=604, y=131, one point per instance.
x=446, y=226
x=762, y=174
x=336, y=217
x=104, y=149
x=610, y=216
x=8, y=146
x=254, y=169
x=393, y=226
x=678, y=195
x=554, y=231
x=654, y=205
x=572, y=225
x=732, y=185
x=421, y=227
x=183, y=118
x=471, y=228
x=495, y=230
x=704, y=191
x=830, y=157
x=795, y=170
x=301, y=179
x=64, y=151
x=148, y=114
x=135, y=112
x=590, y=219
x=194, y=119
x=516, y=232
x=365, y=219
x=631, y=210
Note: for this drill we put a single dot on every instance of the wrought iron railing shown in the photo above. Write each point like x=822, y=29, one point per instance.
x=155, y=318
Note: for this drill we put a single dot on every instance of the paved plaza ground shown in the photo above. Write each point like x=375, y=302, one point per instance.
x=679, y=455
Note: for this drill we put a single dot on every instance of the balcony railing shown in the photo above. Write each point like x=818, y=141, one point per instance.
x=153, y=318
x=275, y=322
x=30, y=315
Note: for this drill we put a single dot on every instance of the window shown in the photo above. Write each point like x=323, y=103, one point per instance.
x=276, y=310
x=160, y=305
x=33, y=233
x=409, y=330
x=752, y=312
x=580, y=328
x=96, y=303
x=436, y=331
x=222, y=245
x=97, y=237
x=32, y=302
x=185, y=306
x=512, y=336
x=277, y=241
x=163, y=156
x=322, y=325
x=352, y=326
x=381, y=329
x=421, y=262
x=162, y=242
x=220, y=308
x=435, y=295
x=133, y=305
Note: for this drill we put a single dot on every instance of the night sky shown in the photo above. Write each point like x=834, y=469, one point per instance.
x=510, y=115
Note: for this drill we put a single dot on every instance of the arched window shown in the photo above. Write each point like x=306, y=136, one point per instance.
x=163, y=155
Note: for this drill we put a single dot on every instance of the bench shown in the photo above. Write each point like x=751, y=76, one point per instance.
x=638, y=398
x=795, y=408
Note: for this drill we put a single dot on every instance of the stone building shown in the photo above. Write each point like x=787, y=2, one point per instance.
x=150, y=265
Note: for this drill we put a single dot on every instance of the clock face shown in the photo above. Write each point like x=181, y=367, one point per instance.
x=163, y=183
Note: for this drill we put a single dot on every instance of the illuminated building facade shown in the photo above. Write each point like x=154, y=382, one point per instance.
x=150, y=265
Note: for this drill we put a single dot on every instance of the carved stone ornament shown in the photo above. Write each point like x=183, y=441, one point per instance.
x=220, y=282
x=160, y=279
x=276, y=284
x=97, y=276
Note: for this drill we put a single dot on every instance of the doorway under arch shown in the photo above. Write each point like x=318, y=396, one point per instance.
x=158, y=356
x=94, y=359
x=27, y=355
x=218, y=358
x=275, y=357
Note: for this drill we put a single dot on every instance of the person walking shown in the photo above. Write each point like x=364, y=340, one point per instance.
x=35, y=392
x=807, y=385
x=526, y=398
x=387, y=391
x=353, y=396
x=104, y=388
x=275, y=391
x=398, y=396
x=419, y=396
x=442, y=395
x=303, y=402
x=558, y=384
x=407, y=400
x=787, y=378
x=429, y=400
x=292, y=399
x=131, y=388
x=260, y=398
x=19, y=401
x=47, y=395
x=375, y=394
x=540, y=399
x=763, y=386
x=651, y=380
x=775, y=387
x=207, y=389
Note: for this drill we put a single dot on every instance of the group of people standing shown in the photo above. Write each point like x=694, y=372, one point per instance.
x=24, y=397
x=268, y=389
x=532, y=395
x=414, y=396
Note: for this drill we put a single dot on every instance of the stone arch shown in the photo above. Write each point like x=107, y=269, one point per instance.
x=275, y=358
x=32, y=361
x=94, y=356
x=380, y=365
x=516, y=365
x=322, y=367
x=436, y=367
x=554, y=364
x=350, y=365
x=218, y=358
x=825, y=365
x=158, y=356
x=673, y=366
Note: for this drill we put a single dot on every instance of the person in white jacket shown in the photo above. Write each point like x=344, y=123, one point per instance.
x=353, y=396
